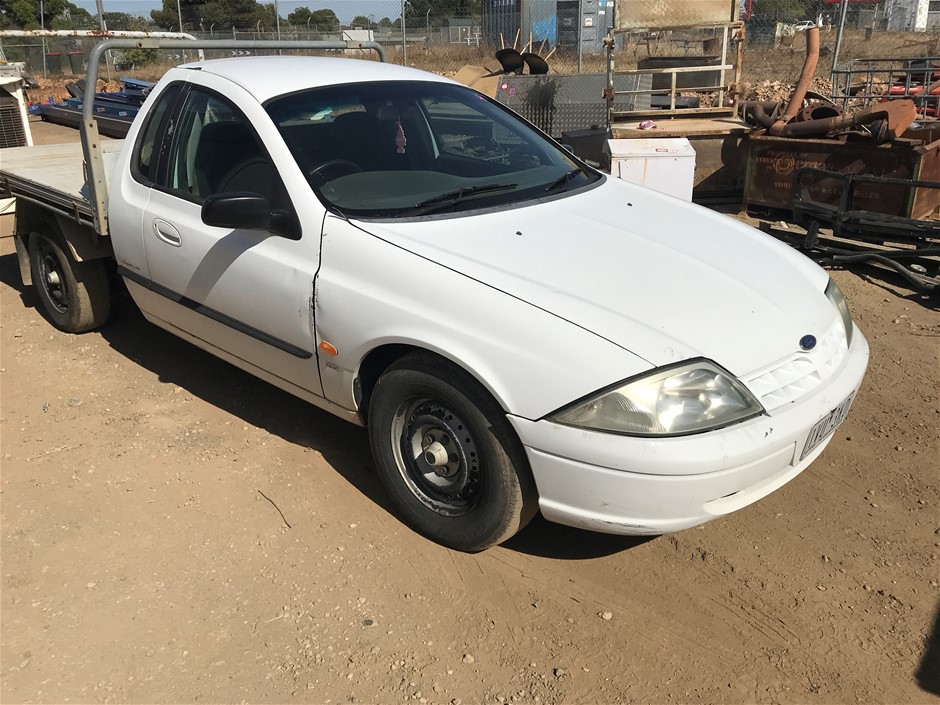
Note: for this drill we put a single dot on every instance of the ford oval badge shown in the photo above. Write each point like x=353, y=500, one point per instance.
x=808, y=342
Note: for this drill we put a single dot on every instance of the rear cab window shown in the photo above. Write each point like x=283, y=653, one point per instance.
x=149, y=144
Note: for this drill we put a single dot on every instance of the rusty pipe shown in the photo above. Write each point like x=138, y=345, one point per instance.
x=755, y=111
x=803, y=84
x=93, y=34
x=899, y=114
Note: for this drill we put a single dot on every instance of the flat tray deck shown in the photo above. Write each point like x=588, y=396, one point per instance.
x=52, y=174
x=681, y=127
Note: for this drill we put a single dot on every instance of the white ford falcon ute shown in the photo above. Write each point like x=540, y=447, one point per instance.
x=518, y=331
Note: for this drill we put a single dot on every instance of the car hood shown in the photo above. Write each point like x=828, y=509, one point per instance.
x=662, y=278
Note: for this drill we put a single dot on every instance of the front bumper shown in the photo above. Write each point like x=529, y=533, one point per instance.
x=628, y=485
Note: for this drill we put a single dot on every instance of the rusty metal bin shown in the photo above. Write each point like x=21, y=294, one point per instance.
x=773, y=163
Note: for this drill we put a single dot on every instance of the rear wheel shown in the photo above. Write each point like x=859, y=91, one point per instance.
x=448, y=457
x=73, y=295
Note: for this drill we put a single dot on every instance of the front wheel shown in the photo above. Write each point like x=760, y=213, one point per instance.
x=73, y=295
x=447, y=456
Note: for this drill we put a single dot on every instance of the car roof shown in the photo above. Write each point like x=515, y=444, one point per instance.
x=268, y=76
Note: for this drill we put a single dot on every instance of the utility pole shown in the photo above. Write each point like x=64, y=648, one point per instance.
x=42, y=25
x=104, y=28
x=179, y=16
x=277, y=21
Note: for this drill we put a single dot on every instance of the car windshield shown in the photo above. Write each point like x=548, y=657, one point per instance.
x=413, y=148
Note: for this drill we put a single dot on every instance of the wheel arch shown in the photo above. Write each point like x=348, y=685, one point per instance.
x=380, y=358
x=28, y=218
x=81, y=239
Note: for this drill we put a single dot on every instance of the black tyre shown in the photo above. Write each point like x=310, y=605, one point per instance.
x=74, y=296
x=447, y=456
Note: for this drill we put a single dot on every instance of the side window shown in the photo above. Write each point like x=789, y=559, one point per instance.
x=215, y=151
x=148, y=148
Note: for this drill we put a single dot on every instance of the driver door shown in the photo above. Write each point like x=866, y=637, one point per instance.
x=245, y=295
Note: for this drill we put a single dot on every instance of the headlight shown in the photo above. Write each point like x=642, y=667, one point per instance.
x=695, y=396
x=834, y=294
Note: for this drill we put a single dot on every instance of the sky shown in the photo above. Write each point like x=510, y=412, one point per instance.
x=131, y=7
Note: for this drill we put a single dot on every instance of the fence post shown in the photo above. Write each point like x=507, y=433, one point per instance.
x=404, y=45
x=835, y=52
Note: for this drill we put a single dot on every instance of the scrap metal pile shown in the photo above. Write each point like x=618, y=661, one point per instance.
x=871, y=175
x=114, y=110
x=813, y=115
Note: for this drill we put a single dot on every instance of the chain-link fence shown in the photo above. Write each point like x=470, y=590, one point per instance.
x=443, y=35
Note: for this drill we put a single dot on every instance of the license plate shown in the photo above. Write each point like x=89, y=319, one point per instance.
x=826, y=425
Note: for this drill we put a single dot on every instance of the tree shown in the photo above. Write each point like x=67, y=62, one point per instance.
x=202, y=14
x=300, y=16
x=361, y=21
x=121, y=20
x=167, y=18
x=75, y=18
x=319, y=20
x=442, y=9
x=139, y=57
x=24, y=14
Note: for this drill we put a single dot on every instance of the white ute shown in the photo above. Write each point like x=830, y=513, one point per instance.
x=518, y=331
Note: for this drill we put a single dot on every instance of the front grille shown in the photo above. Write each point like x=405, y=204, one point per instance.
x=801, y=373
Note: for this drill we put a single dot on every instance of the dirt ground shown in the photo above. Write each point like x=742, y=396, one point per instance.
x=174, y=530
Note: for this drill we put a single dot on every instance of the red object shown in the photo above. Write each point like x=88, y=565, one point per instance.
x=926, y=106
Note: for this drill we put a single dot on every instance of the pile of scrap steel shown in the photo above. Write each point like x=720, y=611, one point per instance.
x=114, y=110
x=871, y=176
x=813, y=115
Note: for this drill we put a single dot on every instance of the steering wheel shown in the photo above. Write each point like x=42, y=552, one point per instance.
x=332, y=169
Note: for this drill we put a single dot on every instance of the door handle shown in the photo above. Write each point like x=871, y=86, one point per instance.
x=167, y=233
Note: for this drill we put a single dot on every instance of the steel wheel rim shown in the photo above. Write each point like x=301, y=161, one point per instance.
x=52, y=279
x=453, y=488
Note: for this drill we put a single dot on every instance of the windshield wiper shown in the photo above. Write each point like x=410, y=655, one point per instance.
x=568, y=176
x=452, y=197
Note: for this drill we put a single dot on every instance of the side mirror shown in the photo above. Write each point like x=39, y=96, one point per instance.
x=249, y=211
x=236, y=210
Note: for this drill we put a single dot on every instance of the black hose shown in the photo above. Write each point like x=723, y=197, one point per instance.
x=914, y=279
